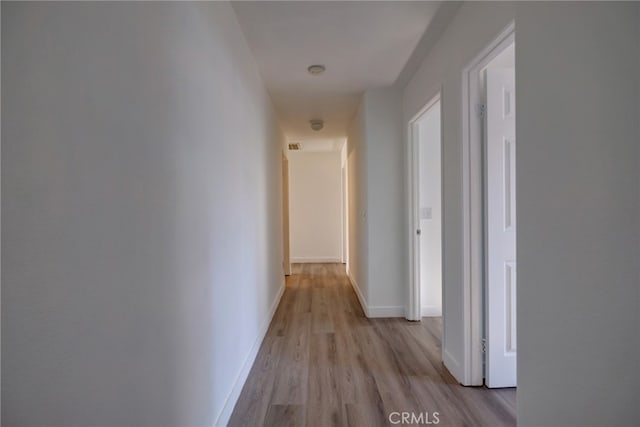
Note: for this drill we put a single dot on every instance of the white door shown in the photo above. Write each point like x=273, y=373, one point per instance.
x=501, y=229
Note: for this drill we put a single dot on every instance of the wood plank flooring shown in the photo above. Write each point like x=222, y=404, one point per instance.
x=323, y=363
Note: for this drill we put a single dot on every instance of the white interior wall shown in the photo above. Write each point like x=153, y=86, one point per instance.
x=386, y=216
x=578, y=213
x=357, y=188
x=577, y=201
x=474, y=26
x=345, y=202
x=141, y=213
x=286, y=240
x=430, y=205
x=315, y=197
x=377, y=224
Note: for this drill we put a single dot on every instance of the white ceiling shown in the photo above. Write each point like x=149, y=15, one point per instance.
x=362, y=44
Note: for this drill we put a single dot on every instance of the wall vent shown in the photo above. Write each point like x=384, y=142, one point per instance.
x=294, y=146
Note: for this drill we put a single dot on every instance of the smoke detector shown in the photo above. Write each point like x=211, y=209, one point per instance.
x=316, y=69
x=316, y=124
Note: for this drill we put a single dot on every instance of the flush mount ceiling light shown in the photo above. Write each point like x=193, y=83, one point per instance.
x=316, y=124
x=317, y=69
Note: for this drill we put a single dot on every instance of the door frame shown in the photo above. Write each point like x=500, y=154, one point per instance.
x=344, y=181
x=473, y=261
x=286, y=242
x=414, y=304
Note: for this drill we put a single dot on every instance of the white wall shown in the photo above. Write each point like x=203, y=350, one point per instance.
x=578, y=214
x=429, y=140
x=385, y=202
x=377, y=216
x=578, y=209
x=141, y=213
x=315, y=203
x=286, y=240
x=344, y=169
x=473, y=27
x=357, y=267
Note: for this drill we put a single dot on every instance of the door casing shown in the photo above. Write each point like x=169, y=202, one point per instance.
x=414, y=306
x=473, y=207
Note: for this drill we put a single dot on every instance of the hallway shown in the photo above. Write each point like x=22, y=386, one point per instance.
x=324, y=363
x=164, y=164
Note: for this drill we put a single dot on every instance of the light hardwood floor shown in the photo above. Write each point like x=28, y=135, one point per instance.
x=323, y=363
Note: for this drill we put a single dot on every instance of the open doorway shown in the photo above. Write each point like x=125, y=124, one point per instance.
x=489, y=207
x=317, y=209
x=426, y=211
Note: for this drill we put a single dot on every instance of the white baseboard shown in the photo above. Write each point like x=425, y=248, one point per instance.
x=453, y=366
x=386, y=311
x=232, y=398
x=312, y=260
x=375, y=311
x=361, y=298
x=431, y=311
